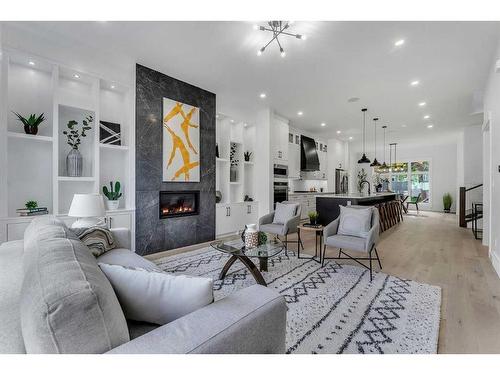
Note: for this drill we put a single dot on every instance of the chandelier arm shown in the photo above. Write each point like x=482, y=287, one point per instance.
x=289, y=34
x=279, y=44
x=268, y=43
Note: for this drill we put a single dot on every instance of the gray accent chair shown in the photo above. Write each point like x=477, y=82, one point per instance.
x=266, y=225
x=68, y=306
x=361, y=245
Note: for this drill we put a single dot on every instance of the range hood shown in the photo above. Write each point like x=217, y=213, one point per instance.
x=309, y=160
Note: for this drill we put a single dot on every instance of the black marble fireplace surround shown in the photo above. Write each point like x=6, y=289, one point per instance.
x=152, y=233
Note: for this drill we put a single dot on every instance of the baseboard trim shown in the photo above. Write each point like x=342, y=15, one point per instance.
x=495, y=261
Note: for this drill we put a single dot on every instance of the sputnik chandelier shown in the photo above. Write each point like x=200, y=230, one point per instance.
x=278, y=28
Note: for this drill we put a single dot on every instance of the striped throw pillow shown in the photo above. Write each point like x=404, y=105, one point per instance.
x=98, y=239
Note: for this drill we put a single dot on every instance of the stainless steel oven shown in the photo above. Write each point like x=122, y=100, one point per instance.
x=280, y=171
x=280, y=191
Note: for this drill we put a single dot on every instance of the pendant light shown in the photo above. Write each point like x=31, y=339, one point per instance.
x=384, y=168
x=364, y=159
x=375, y=161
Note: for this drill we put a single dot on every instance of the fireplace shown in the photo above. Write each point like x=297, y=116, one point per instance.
x=179, y=203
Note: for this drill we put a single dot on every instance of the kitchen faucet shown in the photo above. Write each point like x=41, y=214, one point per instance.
x=369, y=186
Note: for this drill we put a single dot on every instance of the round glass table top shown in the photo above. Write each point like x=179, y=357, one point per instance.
x=236, y=247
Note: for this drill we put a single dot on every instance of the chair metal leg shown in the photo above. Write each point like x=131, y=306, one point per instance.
x=371, y=276
x=378, y=258
x=286, y=244
x=323, y=258
x=340, y=252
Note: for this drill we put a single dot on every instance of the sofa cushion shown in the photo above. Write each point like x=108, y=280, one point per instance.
x=137, y=329
x=346, y=242
x=99, y=240
x=127, y=258
x=278, y=229
x=355, y=221
x=157, y=297
x=46, y=226
x=11, y=280
x=67, y=304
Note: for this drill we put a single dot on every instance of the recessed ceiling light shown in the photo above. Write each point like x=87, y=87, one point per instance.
x=338, y=132
x=414, y=83
x=430, y=126
x=245, y=125
x=399, y=42
x=426, y=117
x=422, y=104
x=31, y=62
x=350, y=138
x=113, y=86
x=76, y=75
x=403, y=126
x=263, y=95
x=300, y=113
x=323, y=124
x=232, y=121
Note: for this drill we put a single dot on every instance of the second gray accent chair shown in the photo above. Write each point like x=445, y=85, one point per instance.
x=364, y=245
x=289, y=227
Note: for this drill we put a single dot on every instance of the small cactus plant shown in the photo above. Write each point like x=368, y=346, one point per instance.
x=30, y=205
x=114, y=193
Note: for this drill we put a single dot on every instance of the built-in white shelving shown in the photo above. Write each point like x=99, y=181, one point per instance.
x=33, y=167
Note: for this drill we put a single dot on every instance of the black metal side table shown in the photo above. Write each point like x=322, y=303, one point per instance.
x=318, y=234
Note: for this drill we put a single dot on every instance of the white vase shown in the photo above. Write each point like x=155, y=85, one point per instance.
x=251, y=236
x=112, y=205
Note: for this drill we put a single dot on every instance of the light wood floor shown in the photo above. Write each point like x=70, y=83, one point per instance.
x=431, y=248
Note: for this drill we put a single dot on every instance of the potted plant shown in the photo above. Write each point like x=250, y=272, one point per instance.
x=113, y=195
x=31, y=123
x=247, y=155
x=313, y=217
x=74, y=160
x=447, y=201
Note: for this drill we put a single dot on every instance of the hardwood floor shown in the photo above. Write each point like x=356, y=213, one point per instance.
x=431, y=248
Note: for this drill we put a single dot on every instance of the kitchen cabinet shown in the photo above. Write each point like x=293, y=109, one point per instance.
x=232, y=217
x=279, y=139
x=294, y=160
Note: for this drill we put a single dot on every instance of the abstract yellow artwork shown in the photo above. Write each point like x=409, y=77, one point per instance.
x=181, y=142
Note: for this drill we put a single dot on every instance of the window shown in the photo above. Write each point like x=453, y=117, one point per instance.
x=413, y=180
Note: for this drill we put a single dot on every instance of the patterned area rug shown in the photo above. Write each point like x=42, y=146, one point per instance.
x=335, y=308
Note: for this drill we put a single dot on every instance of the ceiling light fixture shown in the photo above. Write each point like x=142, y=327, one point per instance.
x=364, y=159
x=350, y=138
x=263, y=95
x=76, y=76
x=375, y=161
x=323, y=124
x=383, y=168
x=430, y=126
x=399, y=42
x=31, y=62
x=338, y=132
x=422, y=104
x=113, y=86
x=426, y=117
x=278, y=28
x=415, y=83
x=300, y=113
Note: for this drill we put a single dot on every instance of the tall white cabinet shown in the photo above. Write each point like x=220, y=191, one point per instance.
x=33, y=167
x=235, y=177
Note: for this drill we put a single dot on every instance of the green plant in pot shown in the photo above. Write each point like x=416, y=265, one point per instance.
x=113, y=195
x=31, y=123
x=447, y=202
x=313, y=217
x=74, y=159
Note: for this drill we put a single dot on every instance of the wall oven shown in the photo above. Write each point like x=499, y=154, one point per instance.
x=280, y=191
x=280, y=171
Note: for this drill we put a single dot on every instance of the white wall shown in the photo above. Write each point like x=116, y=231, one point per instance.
x=492, y=175
x=443, y=168
x=263, y=162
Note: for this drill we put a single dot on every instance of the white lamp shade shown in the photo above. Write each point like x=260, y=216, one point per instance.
x=87, y=205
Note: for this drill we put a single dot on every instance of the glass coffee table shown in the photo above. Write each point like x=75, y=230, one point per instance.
x=238, y=251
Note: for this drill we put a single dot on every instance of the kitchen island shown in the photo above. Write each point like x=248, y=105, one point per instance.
x=328, y=205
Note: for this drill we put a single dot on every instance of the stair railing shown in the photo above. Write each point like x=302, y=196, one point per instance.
x=463, y=204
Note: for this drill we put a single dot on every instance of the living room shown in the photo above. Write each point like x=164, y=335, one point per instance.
x=249, y=187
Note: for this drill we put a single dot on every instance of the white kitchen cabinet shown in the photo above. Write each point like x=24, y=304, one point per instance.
x=279, y=139
x=118, y=221
x=293, y=160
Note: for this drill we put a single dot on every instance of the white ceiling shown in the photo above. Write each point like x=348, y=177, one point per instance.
x=338, y=60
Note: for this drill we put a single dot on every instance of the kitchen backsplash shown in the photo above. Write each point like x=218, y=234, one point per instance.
x=306, y=185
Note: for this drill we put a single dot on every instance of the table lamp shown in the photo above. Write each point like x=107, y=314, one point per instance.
x=89, y=209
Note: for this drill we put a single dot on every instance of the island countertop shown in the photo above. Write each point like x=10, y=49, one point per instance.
x=358, y=196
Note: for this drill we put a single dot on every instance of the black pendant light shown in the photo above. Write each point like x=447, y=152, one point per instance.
x=375, y=161
x=384, y=168
x=364, y=159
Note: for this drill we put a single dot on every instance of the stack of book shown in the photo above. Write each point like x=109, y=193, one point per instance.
x=32, y=211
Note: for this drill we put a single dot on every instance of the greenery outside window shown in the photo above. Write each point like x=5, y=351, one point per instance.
x=413, y=180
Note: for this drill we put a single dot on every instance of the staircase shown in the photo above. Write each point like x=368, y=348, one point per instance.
x=471, y=197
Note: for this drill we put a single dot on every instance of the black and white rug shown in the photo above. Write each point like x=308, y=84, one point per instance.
x=335, y=308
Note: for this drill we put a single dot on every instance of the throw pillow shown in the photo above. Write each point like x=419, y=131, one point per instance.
x=355, y=221
x=157, y=297
x=284, y=212
x=98, y=239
